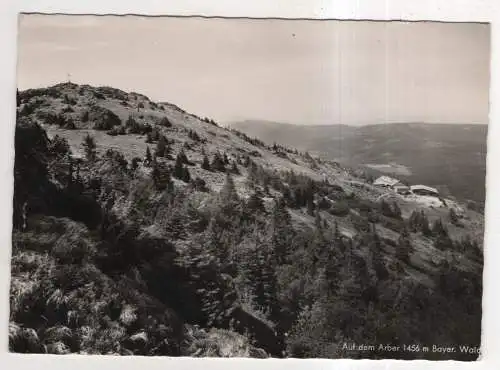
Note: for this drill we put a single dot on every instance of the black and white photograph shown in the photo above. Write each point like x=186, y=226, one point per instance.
x=249, y=188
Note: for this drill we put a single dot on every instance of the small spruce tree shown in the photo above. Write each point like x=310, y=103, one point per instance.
x=90, y=147
x=206, y=164
x=148, y=159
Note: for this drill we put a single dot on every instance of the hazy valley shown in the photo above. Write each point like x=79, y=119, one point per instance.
x=449, y=157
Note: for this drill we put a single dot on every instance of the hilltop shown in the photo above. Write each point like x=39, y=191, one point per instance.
x=451, y=157
x=140, y=228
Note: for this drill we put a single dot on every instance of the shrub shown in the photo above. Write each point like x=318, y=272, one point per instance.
x=59, y=146
x=218, y=163
x=105, y=120
x=84, y=116
x=27, y=109
x=324, y=204
x=165, y=122
x=390, y=210
x=70, y=124
x=134, y=164
x=199, y=184
x=138, y=128
x=339, y=209
x=391, y=223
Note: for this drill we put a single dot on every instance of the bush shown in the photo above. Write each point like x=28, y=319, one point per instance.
x=84, y=116
x=390, y=210
x=391, y=223
x=199, y=184
x=120, y=130
x=59, y=146
x=99, y=96
x=70, y=124
x=340, y=209
x=165, y=122
x=138, y=128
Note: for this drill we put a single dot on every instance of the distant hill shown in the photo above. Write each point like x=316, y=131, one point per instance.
x=449, y=157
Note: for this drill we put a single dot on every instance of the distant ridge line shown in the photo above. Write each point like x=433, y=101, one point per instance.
x=249, y=121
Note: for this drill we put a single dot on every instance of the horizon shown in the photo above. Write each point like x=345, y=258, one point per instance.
x=362, y=125
x=302, y=72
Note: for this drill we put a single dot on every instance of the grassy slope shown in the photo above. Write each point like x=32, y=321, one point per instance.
x=220, y=139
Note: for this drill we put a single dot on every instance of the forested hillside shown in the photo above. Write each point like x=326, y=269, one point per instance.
x=141, y=229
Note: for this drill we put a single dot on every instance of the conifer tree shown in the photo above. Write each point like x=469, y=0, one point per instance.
x=205, y=164
x=266, y=283
x=413, y=221
x=426, y=230
x=180, y=171
x=218, y=163
x=310, y=206
x=89, y=147
x=148, y=159
x=252, y=175
x=162, y=149
x=396, y=210
x=377, y=255
x=161, y=176
x=281, y=230
x=59, y=146
x=336, y=233
x=404, y=246
x=134, y=165
x=443, y=242
x=183, y=158
x=228, y=195
x=453, y=216
x=234, y=169
x=69, y=181
x=255, y=203
x=246, y=161
x=438, y=228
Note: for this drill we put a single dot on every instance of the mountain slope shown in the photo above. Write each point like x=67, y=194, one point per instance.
x=202, y=241
x=449, y=157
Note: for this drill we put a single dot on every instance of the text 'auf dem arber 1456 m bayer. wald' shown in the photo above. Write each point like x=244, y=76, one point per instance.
x=410, y=348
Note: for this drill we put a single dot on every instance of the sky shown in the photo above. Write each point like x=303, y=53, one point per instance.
x=296, y=71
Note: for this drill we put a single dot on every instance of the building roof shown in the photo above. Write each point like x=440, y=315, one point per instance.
x=386, y=180
x=423, y=187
